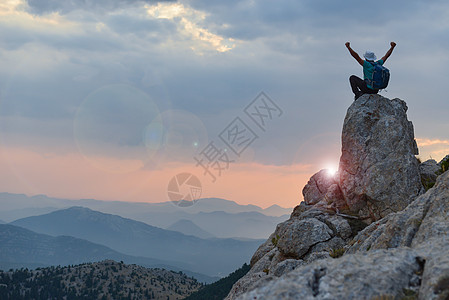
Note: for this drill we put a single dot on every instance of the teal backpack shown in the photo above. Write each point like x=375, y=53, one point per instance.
x=381, y=76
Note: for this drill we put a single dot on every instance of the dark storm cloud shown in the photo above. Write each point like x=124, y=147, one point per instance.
x=249, y=19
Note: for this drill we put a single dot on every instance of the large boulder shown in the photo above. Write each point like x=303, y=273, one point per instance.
x=378, y=171
x=322, y=190
x=317, y=186
x=296, y=237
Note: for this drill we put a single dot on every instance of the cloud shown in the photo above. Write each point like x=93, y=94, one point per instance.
x=432, y=148
x=67, y=6
x=210, y=59
x=260, y=18
x=188, y=20
x=431, y=142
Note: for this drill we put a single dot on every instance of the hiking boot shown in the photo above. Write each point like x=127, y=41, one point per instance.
x=356, y=96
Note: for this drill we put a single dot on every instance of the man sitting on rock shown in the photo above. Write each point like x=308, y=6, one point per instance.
x=359, y=86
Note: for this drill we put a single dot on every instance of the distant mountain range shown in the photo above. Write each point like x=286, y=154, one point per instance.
x=23, y=248
x=213, y=237
x=219, y=223
x=187, y=227
x=213, y=257
x=221, y=218
x=12, y=202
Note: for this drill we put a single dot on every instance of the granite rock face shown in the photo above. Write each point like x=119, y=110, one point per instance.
x=308, y=235
x=296, y=237
x=317, y=187
x=323, y=190
x=378, y=172
x=425, y=218
x=327, y=251
x=361, y=276
x=403, y=255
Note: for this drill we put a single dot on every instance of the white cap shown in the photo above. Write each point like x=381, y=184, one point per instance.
x=369, y=55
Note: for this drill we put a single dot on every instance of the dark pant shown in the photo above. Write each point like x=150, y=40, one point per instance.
x=359, y=87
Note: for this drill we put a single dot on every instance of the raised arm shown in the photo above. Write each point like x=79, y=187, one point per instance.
x=354, y=54
x=387, y=55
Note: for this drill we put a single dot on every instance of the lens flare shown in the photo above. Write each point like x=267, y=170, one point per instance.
x=184, y=135
x=114, y=128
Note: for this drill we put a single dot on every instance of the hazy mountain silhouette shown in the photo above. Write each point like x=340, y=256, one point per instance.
x=20, y=213
x=11, y=202
x=222, y=218
x=212, y=256
x=223, y=224
x=20, y=247
x=187, y=227
x=276, y=210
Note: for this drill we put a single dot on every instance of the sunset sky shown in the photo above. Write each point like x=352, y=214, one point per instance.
x=109, y=99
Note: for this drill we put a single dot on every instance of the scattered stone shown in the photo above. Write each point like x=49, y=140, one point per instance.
x=296, y=237
x=317, y=187
x=379, y=273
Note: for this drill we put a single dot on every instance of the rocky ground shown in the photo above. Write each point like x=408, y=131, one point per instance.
x=379, y=229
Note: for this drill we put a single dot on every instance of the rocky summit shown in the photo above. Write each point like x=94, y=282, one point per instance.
x=378, y=172
x=378, y=229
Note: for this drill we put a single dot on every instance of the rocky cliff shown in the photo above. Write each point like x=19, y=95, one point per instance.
x=368, y=232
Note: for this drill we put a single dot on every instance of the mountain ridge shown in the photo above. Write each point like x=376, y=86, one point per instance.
x=188, y=227
x=24, y=248
x=140, y=239
x=221, y=218
x=107, y=279
x=17, y=201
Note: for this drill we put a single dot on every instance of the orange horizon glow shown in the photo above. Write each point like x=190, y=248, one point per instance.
x=71, y=176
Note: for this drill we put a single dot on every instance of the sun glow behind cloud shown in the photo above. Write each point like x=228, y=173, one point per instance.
x=10, y=6
x=188, y=20
x=14, y=12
